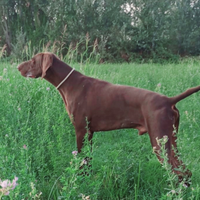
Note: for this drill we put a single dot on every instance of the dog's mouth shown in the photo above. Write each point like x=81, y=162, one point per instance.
x=30, y=75
x=23, y=74
x=27, y=74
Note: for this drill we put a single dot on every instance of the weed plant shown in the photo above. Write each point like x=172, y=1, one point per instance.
x=83, y=51
x=37, y=139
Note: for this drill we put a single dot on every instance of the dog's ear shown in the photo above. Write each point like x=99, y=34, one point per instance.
x=47, y=62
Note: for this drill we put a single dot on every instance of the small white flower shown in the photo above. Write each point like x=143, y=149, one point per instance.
x=84, y=162
x=8, y=185
x=184, y=185
x=159, y=85
x=165, y=138
x=74, y=153
x=186, y=112
x=173, y=191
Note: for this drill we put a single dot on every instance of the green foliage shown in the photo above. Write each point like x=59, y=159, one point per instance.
x=37, y=138
x=174, y=191
x=19, y=47
x=122, y=30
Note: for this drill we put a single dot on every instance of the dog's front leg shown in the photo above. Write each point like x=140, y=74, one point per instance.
x=80, y=137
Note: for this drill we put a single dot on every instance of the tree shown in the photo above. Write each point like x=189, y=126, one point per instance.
x=120, y=29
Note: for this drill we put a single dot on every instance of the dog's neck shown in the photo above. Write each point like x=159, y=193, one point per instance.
x=68, y=75
x=57, y=72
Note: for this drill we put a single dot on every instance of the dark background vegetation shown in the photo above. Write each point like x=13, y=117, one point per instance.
x=117, y=30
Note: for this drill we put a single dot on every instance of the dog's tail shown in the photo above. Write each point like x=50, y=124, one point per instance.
x=183, y=95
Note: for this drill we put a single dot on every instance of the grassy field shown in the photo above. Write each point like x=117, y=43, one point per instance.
x=37, y=139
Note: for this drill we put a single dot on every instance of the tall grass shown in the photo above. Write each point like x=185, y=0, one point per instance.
x=37, y=138
x=83, y=51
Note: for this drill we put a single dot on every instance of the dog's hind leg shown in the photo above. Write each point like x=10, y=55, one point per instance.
x=166, y=128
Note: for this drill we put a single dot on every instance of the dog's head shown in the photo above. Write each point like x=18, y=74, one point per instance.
x=37, y=66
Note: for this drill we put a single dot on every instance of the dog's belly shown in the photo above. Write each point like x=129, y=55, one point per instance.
x=107, y=125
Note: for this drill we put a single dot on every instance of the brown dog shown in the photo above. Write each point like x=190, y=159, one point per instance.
x=106, y=106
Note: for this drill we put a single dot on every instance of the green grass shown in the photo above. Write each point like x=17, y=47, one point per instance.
x=37, y=138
